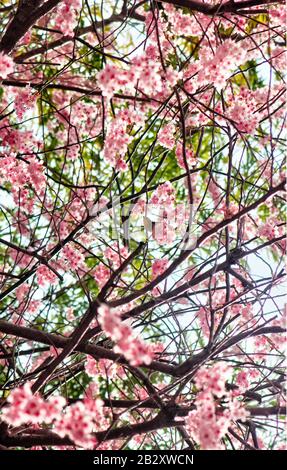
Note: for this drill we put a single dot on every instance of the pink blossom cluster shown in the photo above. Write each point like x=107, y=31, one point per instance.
x=28, y=408
x=17, y=140
x=245, y=311
x=244, y=379
x=165, y=217
x=216, y=68
x=242, y=112
x=190, y=157
x=79, y=119
x=132, y=347
x=101, y=274
x=24, y=100
x=215, y=191
x=21, y=259
x=115, y=256
x=144, y=75
x=111, y=79
x=74, y=259
x=167, y=139
x=6, y=65
x=213, y=379
x=268, y=229
x=19, y=173
x=182, y=24
x=162, y=213
x=78, y=421
x=26, y=302
x=278, y=58
x=165, y=135
x=158, y=37
x=118, y=137
x=208, y=423
x=203, y=316
x=103, y=367
x=25, y=200
x=164, y=195
x=45, y=276
x=76, y=209
x=158, y=267
x=66, y=16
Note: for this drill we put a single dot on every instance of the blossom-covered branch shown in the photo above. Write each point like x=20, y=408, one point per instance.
x=142, y=225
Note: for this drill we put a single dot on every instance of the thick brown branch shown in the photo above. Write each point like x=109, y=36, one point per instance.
x=58, y=341
x=52, y=439
x=29, y=11
x=219, y=8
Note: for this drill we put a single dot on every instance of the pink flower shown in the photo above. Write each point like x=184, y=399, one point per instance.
x=165, y=136
x=101, y=274
x=24, y=100
x=133, y=348
x=207, y=424
x=77, y=423
x=190, y=158
x=66, y=16
x=102, y=367
x=116, y=254
x=213, y=379
x=6, y=65
x=158, y=267
x=118, y=137
x=28, y=408
x=45, y=276
x=74, y=258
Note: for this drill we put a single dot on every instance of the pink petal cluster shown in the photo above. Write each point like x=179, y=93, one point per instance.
x=268, y=230
x=164, y=195
x=45, y=276
x=133, y=348
x=216, y=68
x=167, y=218
x=158, y=267
x=118, y=137
x=28, y=408
x=101, y=274
x=166, y=137
x=19, y=173
x=66, y=16
x=213, y=379
x=102, y=367
x=77, y=421
x=24, y=100
x=242, y=112
x=73, y=257
x=207, y=424
x=116, y=254
x=190, y=157
x=6, y=66
x=145, y=74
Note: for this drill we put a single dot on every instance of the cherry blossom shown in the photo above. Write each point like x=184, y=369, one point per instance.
x=6, y=66
x=142, y=222
x=25, y=408
x=132, y=347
